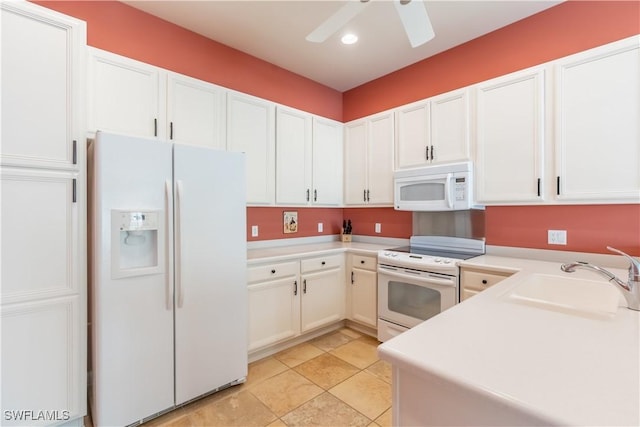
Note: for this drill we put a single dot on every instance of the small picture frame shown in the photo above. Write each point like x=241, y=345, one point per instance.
x=290, y=222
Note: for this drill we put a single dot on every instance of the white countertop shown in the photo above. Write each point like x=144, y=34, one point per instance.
x=568, y=369
x=318, y=248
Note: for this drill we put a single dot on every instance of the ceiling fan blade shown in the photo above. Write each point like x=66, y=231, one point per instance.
x=413, y=15
x=336, y=21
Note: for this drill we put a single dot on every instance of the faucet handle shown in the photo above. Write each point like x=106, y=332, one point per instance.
x=634, y=269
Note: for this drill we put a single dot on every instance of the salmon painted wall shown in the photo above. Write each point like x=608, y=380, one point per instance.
x=562, y=30
x=589, y=228
x=121, y=29
x=270, y=222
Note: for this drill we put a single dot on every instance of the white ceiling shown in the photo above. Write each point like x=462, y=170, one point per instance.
x=275, y=31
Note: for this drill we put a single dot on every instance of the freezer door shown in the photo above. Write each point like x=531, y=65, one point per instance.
x=210, y=270
x=132, y=313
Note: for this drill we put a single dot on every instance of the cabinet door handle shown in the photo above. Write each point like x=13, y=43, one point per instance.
x=307, y=194
x=368, y=198
x=170, y=130
x=155, y=127
x=315, y=195
x=304, y=286
x=352, y=281
x=558, y=186
x=538, y=187
x=74, y=154
x=73, y=196
x=426, y=152
x=295, y=287
x=364, y=195
x=432, y=155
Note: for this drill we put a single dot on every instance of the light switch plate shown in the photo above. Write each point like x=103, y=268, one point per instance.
x=320, y=227
x=378, y=228
x=254, y=231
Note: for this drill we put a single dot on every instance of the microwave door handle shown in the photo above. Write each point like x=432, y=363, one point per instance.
x=447, y=189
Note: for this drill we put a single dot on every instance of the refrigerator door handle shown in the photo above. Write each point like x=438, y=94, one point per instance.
x=178, y=244
x=167, y=256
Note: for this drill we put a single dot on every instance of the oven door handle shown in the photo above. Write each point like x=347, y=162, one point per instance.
x=417, y=276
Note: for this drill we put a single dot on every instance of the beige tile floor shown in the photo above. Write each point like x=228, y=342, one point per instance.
x=334, y=380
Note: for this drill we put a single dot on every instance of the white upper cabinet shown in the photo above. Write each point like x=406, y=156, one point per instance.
x=195, y=112
x=435, y=130
x=125, y=96
x=293, y=157
x=327, y=162
x=308, y=159
x=597, y=135
x=413, y=138
x=368, y=162
x=134, y=98
x=510, y=138
x=450, y=127
x=42, y=57
x=250, y=129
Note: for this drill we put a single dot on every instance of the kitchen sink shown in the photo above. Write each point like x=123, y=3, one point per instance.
x=586, y=298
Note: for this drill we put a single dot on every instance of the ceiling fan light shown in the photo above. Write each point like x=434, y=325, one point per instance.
x=349, y=38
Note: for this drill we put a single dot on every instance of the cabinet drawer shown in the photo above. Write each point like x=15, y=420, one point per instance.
x=364, y=262
x=260, y=273
x=478, y=280
x=321, y=263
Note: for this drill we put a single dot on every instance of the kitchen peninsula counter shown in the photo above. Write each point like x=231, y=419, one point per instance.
x=492, y=361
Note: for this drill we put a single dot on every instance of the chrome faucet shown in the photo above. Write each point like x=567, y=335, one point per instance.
x=630, y=289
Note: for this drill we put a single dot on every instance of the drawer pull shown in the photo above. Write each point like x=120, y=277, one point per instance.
x=484, y=281
x=361, y=261
x=323, y=263
x=273, y=271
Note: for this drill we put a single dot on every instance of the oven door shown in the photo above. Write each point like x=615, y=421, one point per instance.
x=408, y=297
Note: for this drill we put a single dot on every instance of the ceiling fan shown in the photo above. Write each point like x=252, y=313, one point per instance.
x=413, y=15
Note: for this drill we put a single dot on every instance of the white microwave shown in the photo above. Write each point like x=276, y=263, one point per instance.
x=445, y=187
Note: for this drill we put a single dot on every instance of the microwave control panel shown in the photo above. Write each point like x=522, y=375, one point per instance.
x=460, y=186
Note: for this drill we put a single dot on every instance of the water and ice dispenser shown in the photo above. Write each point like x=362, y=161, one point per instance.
x=137, y=241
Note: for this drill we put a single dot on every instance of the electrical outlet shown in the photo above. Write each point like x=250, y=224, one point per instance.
x=378, y=227
x=320, y=227
x=557, y=237
x=254, y=231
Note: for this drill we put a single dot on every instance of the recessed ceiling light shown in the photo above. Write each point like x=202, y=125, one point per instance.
x=349, y=38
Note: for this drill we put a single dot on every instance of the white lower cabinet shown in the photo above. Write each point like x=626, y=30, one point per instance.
x=293, y=297
x=31, y=381
x=474, y=281
x=274, y=307
x=323, y=293
x=363, y=289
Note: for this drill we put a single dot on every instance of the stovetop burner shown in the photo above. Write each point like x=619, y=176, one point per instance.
x=432, y=253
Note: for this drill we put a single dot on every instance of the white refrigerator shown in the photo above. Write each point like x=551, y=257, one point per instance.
x=168, y=275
